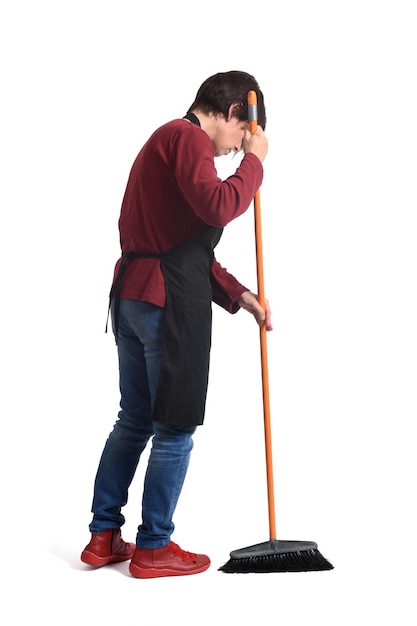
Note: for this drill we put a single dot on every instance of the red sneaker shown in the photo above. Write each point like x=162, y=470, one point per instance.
x=170, y=560
x=107, y=547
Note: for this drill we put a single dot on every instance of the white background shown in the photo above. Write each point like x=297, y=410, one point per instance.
x=83, y=85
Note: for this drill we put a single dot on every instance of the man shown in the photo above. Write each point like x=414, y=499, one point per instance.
x=172, y=216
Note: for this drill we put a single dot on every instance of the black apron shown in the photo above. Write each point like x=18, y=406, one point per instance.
x=182, y=389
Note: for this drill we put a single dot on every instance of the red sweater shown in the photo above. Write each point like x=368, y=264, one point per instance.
x=172, y=194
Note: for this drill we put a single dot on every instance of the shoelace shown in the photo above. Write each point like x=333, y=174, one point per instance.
x=182, y=554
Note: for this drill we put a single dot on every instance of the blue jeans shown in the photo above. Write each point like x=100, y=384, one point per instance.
x=140, y=346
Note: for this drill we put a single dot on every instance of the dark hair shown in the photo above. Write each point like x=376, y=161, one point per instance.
x=218, y=92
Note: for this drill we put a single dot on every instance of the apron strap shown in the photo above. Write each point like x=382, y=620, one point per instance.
x=117, y=284
x=192, y=118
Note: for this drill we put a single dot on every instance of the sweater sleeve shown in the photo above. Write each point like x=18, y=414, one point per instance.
x=226, y=289
x=217, y=202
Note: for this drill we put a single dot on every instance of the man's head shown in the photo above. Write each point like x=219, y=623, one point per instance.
x=219, y=92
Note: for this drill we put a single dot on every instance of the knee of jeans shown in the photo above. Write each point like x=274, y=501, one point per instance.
x=130, y=428
x=168, y=437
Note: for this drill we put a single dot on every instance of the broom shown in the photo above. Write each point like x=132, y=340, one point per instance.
x=273, y=555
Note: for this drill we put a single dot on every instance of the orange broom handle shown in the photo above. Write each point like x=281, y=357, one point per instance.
x=253, y=123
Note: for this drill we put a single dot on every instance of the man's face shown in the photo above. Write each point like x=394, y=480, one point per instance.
x=229, y=135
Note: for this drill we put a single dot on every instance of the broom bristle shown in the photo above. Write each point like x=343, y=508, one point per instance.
x=301, y=561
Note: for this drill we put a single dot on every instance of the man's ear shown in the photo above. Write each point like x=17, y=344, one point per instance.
x=233, y=109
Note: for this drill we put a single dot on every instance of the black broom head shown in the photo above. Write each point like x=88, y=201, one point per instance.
x=277, y=556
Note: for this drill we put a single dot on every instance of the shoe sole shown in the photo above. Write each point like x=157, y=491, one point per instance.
x=98, y=561
x=140, y=572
